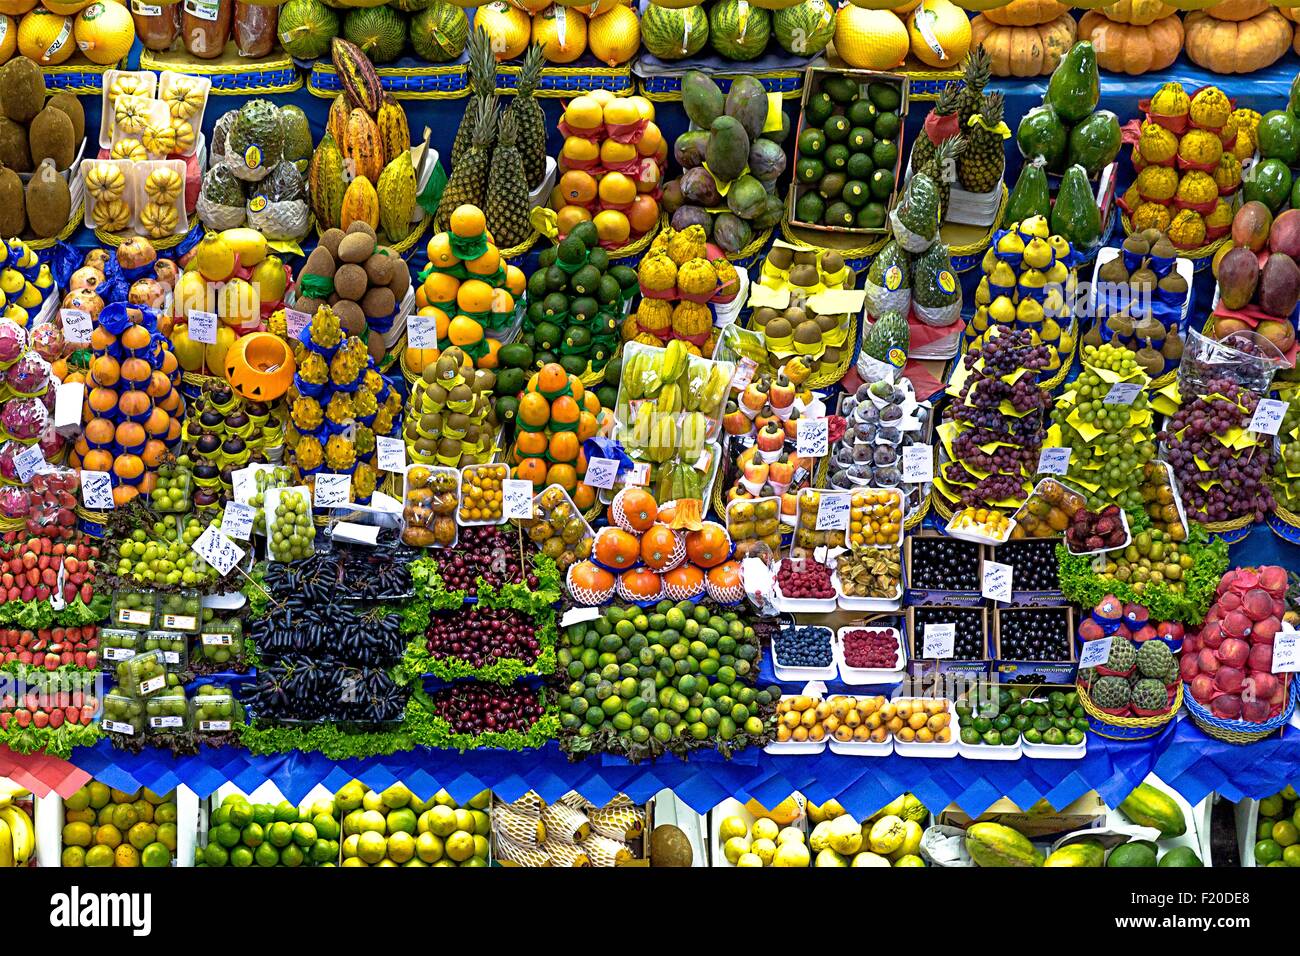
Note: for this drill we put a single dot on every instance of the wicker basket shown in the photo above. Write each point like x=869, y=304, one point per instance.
x=113, y=240
x=913, y=521
x=856, y=257
x=78, y=76
x=572, y=80
x=833, y=375
x=440, y=81
x=1241, y=731
x=1284, y=523
x=404, y=245
x=666, y=88
x=1126, y=728
x=747, y=256
x=231, y=74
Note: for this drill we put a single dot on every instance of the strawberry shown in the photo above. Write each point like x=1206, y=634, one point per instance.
x=40, y=720
x=5, y=717
x=23, y=717
x=74, y=714
x=56, y=719
x=87, y=714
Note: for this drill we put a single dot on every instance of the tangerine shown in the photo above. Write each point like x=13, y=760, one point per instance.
x=612, y=227
x=578, y=188
x=467, y=221
x=515, y=280
x=570, y=216
x=534, y=410
x=486, y=264
x=464, y=331
x=642, y=214
x=440, y=287
x=552, y=379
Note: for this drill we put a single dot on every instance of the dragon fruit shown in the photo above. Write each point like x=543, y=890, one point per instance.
x=30, y=375
x=24, y=418
x=14, y=502
x=13, y=341
x=48, y=341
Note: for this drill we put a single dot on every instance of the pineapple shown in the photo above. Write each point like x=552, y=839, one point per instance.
x=483, y=81
x=975, y=76
x=469, y=177
x=507, y=192
x=924, y=147
x=979, y=168
x=529, y=120
x=940, y=168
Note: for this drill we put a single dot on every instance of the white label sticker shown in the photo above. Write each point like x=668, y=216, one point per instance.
x=517, y=498
x=126, y=615
x=117, y=727
x=218, y=550
x=180, y=622
x=69, y=398
x=833, y=512
x=874, y=370
x=640, y=474
x=216, y=640
x=118, y=653
x=1054, y=460
x=996, y=584
x=28, y=462
x=214, y=725
x=918, y=464
x=1123, y=393
x=203, y=327
x=1268, y=416
x=153, y=684
x=744, y=374
x=811, y=438
x=939, y=640
x=170, y=657
x=295, y=322
x=77, y=325
x=422, y=332
x=1095, y=652
x=160, y=723
x=203, y=9
x=332, y=491
x=392, y=454
x=237, y=521
x=601, y=473
x=1286, y=652
x=578, y=615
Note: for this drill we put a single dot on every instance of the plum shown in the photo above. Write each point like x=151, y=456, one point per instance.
x=1206, y=662
x=1255, y=710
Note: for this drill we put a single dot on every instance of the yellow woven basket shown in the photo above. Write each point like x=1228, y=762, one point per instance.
x=1286, y=515
x=323, y=68
x=832, y=375
x=1221, y=527
x=1128, y=728
x=639, y=244
x=78, y=76
x=852, y=252
x=228, y=65
x=914, y=520
x=113, y=240
x=1200, y=256
x=941, y=506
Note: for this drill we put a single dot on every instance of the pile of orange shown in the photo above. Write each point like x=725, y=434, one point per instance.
x=556, y=416
x=610, y=167
x=456, y=291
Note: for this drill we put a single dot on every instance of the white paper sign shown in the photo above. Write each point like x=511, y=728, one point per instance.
x=996, y=585
x=1268, y=416
x=69, y=397
x=1286, y=652
x=517, y=498
x=1122, y=393
x=640, y=474
x=28, y=462
x=833, y=512
x=601, y=473
x=578, y=615
x=367, y=534
x=811, y=438
x=392, y=454
x=244, y=484
x=295, y=322
x=939, y=640
x=332, y=491
x=1095, y=652
x=237, y=521
x=218, y=550
x=203, y=327
x=1054, y=460
x=874, y=370
x=422, y=331
x=918, y=464
x=97, y=490
x=77, y=325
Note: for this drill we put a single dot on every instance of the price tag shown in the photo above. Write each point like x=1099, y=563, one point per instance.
x=332, y=491
x=218, y=550
x=153, y=684
x=744, y=374
x=1286, y=652
x=117, y=727
x=996, y=585
x=136, y=618
x=1054, y=461
x=422, y=331
x=244, y=484
x=601, y=473
x=295, y=322
x=1095, y=652
x=203, y=327
x=392, y=454
x=170, y=657
x=237, y=521
x=77, y=325
x=216, y=640
x=161, y=722
x=118, y=653
x=517, y=498
x=918, y=464
x=97, y=490
x=833, y=512
x=69, y=397
x=214, y=725
x=811, y=438
x=939, y=640
x=1268, y=416
x=28, y=462
x=578, y=615
x=1122, y=393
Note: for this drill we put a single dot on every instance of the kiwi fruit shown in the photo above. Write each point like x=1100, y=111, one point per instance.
x=13, y=210
x=780, y=257
x=832, y=262
x=71, y=106
x=330, y=240
x=805, y=257
x=14, y=151
x=805, y=275
x=356, y=247
x=49, y=202
x=22, y=89
x=764, y=314
x=50, y=136
x=778, y=328
x=379, y=268
x=350, y=281
x=378, y=303
x=377, y=349
x=808, y=333
x=351, y=316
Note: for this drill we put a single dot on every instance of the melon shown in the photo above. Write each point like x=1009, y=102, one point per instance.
x=738, y=30
x=508, y=27
x=672, y=33
x=104, y=32
x=306, y=27
x=940, y=33
x=439, y=32
x=870, y=39
x=378, y=31
x=805, y=29
x=562, y=34
x=46, y=37
x=614, y=36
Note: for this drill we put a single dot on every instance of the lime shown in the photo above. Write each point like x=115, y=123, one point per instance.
x=214, y=854
x=240, y=856
x=280, y=834
x=253, y=836
x=327, y=828
x=266, y=855
x=304, y=834
x=1267, y=851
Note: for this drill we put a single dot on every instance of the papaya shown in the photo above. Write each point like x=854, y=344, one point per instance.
x=1074, y=87
x=1041, y=133
x=1180, y=856
x=1150, y=806
x=1075, y=214
x=1094, y=143
x=1030, y=196
x=993, y=845
x=1085, y=854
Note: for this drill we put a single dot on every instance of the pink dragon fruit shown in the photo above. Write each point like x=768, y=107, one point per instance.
x=30, y=375
x=24, y=418
x=13, y=340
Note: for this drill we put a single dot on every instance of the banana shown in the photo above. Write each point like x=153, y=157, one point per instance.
x=6, y=847
x=22, y=833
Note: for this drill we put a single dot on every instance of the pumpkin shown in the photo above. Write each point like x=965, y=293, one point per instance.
x=1223, y=46
x=978, y=5
x=1024, y=51
x=1291, y=13
x=1124, y=48
x=260, y=366
x=1237, y=9
x=945, y=39
x=1026, y=13
x=1137, y=12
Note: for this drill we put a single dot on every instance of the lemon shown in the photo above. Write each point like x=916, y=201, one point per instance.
x=372, y=801
x=464, y=820
x=350, y=795
x=441, y=820
x=789, y=835
x=304, y=834
x=734, y=848
x=372, y=821
x=371, y=846
x=867, y=858
x=765, y=829
x=401, y=847
x=396, y=797
x=428, y=847
x=750, y=860
x=733, y=826
x=350, y=846
x=459, y=846
x=791, y=854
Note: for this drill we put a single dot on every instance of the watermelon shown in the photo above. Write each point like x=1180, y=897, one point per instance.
x=306, y=27
x=380, y=32
x=439, y=32
x=672, y=34
x=739, y=31
x=805, y=28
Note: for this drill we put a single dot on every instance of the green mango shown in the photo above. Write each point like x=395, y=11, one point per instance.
x=1030, y=196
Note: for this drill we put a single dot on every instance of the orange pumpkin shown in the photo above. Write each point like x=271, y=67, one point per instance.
x=615, y=548
x=1025, y=13
x=1224, y=46
x=1122, y=48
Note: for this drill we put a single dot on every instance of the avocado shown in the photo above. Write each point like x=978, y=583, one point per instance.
x=573, y=364
x=855, y=193
x=808, y=170
x=836, y=129
x=812, y=142
x=585, y=280
x=881, y=184
x=557, y=303
x=583, y=309
x=515, y=355
x=586, y=233
x=884, y=153
x=809, y=208
x=840, y=89
x=572, y=249
x=884, y=96
x=859, y=166
x=863, y=113
x=837, y=157
x=548, y=336
x=832, y=185
x=839, y=214
x=886, y=126
x=819, y=109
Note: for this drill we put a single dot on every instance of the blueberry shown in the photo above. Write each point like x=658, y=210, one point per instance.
x=803, y=646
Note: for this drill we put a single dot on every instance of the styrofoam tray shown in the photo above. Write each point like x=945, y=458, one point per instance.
x=1181, y=265
x=1055, y=751
x=793, y=673
x=800, y=747
x=791, y=605
x=855, y=749
x=990, y=752
x=732, y=807
x=950, y=749
x=865, y=604
x=858, y=676
x=974, y=537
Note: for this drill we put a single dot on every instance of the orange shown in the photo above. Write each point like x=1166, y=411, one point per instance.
x=577, y=187
x=421, y=300
x=534, y=411
x=647, y=181
x=585, y=113
x=553, y=379
x=135, y=337
x=174, y=429
x=489, y=359
x=515, y=280
x=562, y=475
x=531, y=444
x=570, y=216
x=591, y=403
x=578, y=150
x=531, y=469
x=612, y=227
x=474, y=295
x=464, y=331
x=643, y=214
x=153, y=453
x=467, y=221
x=440, y=287
x=617, y=189
x=439, y=251
x=612, y=152
x=563, y=446
x=440, y=320
x=128, y=467
x=650, y=139
x=564, y=410
x=576, y=389
x=486, y=264
x=97, y=459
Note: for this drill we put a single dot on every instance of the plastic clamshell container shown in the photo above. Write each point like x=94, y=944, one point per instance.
x=143, y=185
x=172, y=646
x=410, y=506
x=122, y=714
x=216, y=712
x=855, y=511
x=496, y=470
x=860, y=676
x=220, y=642
x=144, y=674
x=147, y=86
x=794, y=605
x=850, y=603
x=969, y=534
x=794, y=673
x=133, y=609
x=755, y=502
x=990, y=751
x=167, y=713
x=168, y=82
x=1055, y=751
x=270, y=502
x=545, y=510
x=796, y=746
x=118, y=644
x=1128, y=539
x=127, y=194
x=180, y=612
x=833, y=539
x=914, y=749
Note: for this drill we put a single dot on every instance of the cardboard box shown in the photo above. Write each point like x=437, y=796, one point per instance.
x=1037, y=821
x=1052, y=672
x=920, y=666
x=927, y=596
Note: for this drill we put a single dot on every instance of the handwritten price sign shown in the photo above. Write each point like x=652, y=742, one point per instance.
x=939, y=640
x=218, y=550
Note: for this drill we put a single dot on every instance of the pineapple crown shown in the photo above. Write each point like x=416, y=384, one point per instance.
x=976, y=69
x=485, y=126
x=531, y=71
x=949, y=149
x=507, y=130
x=991, y=112
x=947, y=101
x=482, y=62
